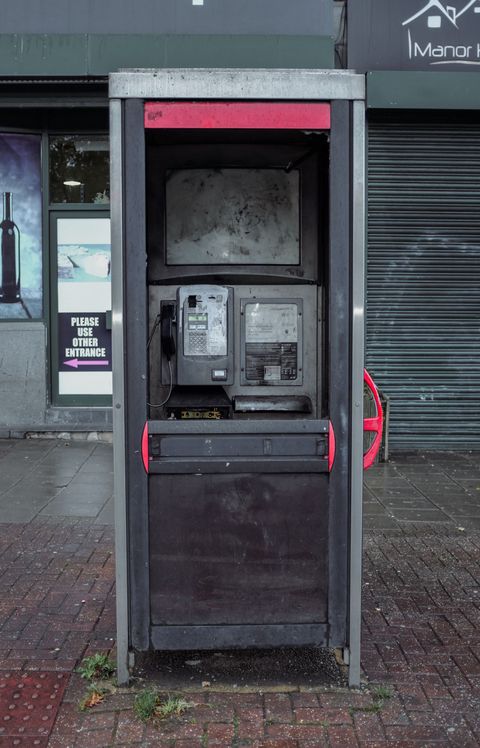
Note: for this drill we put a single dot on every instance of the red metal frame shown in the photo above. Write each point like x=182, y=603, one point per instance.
x=235, y=115
x=373, y=424
x=145, y=447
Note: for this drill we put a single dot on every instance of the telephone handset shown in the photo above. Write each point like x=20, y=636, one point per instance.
x=167, y=318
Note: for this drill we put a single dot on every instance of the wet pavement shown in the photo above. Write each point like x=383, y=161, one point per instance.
x=421, y=619
x=42, y=478
x=428, y=487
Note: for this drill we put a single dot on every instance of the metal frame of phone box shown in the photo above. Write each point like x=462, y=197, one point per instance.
x=344, y=92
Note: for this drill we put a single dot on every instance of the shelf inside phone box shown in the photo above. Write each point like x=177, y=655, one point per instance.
x=212, y=403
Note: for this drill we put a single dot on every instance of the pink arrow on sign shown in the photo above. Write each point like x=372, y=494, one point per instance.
x=75, y=363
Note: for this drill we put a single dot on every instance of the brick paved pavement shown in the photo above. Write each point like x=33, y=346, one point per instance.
x=421, y=635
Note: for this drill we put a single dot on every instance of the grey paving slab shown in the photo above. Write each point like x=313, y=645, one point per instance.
x=106, y=516
x=469, y=484
x=92, y=478
x=451, y=497
x=380, y=523
x=380, y=479
x=70, y=510
x=19, y=512
x=409, y=458
x=62, y=508
x=373, y=510
x=440, y=489
x=426, y=470
x=462, y=511
x=409, y=504
x=79, y=493
x=416, y=515
x=401, y=496
x=474, y=458
x=469, y=522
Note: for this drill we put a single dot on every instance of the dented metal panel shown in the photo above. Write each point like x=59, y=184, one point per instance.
x=222, y=551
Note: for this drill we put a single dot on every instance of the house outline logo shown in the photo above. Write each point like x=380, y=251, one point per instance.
x=434, y=33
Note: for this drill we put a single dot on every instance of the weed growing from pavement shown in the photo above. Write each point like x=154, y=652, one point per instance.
x=379, y=694
x=368, y=709
x=173, y=707
x=96, y=667
x=148, y=705
x=236, y=725
x=145, y=704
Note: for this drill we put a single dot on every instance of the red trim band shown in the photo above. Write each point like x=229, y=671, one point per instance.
x=145, y=446
x=374, y=424
x=245, y=115
x=331, y=446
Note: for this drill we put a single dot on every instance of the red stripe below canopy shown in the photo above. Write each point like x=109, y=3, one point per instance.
x=226, y=115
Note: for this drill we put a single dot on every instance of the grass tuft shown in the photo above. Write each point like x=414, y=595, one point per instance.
x=381, y=693
x=96, y=667
x=148, y=705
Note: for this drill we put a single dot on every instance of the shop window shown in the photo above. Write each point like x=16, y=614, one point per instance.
x=20, y=227
x=79, y=169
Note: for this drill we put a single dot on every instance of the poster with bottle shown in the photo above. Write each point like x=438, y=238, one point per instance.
x=84, y=304
x=20, y=227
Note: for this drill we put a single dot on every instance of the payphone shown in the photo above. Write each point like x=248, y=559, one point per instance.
x=236, y=345
x=198, y=333
x=204, y=335
x=242, y=431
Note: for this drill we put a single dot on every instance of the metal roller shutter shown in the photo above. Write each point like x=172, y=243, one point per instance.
x=423, y=288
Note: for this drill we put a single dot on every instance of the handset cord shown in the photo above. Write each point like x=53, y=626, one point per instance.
x=155, y=325
x=160, y=405
x=150, y=338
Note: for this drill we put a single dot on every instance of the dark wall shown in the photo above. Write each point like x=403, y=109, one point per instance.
x=310, y=17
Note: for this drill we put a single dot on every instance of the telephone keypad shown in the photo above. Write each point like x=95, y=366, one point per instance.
x=197, y=343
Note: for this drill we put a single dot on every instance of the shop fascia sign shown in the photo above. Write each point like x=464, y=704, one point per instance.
x=444, y=34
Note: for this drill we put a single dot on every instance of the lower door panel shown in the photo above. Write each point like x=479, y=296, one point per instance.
x=237, y=550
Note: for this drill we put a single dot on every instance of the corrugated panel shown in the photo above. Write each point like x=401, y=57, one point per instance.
x=423, y=288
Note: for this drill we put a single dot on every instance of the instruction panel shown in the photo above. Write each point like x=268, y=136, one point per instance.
x=271, y=342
